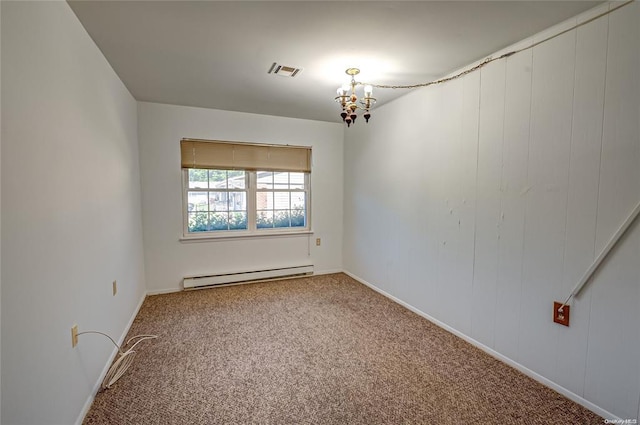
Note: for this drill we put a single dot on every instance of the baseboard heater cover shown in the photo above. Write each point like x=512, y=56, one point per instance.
x=197, y=282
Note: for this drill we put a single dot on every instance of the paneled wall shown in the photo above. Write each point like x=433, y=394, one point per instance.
x=481, y=201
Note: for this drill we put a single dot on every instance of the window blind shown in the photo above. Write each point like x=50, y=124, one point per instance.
x=244, y=156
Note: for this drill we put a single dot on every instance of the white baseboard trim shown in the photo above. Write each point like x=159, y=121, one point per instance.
x=541, y=379
x=96, y=387
x=164, y=291
x=330, y=271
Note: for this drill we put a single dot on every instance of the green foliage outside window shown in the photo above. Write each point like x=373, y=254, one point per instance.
x=203, y=222
x=280, y=219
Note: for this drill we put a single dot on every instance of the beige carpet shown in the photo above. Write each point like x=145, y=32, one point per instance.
x=318, y=350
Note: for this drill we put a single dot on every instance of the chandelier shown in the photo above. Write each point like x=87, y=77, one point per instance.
x=348, y=99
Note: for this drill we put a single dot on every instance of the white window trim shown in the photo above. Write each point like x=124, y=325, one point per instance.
x=252, y=230
x=210, y=238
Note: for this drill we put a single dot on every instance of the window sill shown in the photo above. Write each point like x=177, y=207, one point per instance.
x=227, y=236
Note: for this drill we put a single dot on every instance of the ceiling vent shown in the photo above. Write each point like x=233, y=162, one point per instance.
x=284, y=70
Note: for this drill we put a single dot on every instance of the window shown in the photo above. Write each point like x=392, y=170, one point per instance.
x=280, y=199
x=256, y=199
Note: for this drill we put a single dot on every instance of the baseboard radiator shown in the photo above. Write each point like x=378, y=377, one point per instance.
x=223, y=279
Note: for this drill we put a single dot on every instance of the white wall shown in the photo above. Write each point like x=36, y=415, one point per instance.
x=70, y=212
x=167, y=259
x=515, y=178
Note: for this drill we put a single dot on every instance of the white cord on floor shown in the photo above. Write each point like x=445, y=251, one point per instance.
x=124, y=358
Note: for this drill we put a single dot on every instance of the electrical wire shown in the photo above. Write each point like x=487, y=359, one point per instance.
x=490, y=59
x=124, y=358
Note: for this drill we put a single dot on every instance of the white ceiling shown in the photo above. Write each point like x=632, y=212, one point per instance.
x=216, y=54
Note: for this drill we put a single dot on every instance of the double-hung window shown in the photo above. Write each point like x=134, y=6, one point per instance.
x=236, y=189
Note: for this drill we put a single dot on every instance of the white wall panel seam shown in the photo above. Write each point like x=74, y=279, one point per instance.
x=502, y=194
x=595, y=233
x=527, y=197
x=568, y=197
x=524, y=217
x=475, y=200
x=573, y=112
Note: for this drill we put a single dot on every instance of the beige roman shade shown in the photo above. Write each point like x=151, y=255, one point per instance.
x=244, y=156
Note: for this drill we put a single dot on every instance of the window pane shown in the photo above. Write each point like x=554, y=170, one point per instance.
x=265, y=180
x=264, y=200
x=281, y=219
x=236, y=179
x=298, y=218
x=297, y=200
x=296, y=180
x=197, y=222
x=197, y=179
x=238, y=221
x=218, y=221
x=218, y=201
x=197, y=201
x=281, y=200
x=237, y=201
x=217, y=179
x=264, y=219
x=281, y=180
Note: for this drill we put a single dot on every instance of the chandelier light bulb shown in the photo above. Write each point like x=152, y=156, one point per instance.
x=368, y=90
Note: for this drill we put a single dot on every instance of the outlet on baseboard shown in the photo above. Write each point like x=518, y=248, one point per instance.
x=318, y=241
x=115, y=287
x=74, y=336
x=561, y=317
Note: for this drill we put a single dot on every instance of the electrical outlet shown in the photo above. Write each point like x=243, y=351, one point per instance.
x=561, y=317
x=318, y=241
x=115, y=287
x=74, y=336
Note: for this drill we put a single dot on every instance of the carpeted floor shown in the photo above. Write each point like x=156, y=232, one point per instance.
x=318, y=350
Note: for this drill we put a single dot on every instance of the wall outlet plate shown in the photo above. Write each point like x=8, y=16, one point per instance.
x=74, y=336
x=561, y=318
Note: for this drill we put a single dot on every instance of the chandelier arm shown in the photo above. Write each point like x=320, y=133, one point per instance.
x=490, y=59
